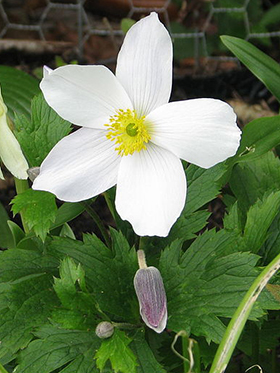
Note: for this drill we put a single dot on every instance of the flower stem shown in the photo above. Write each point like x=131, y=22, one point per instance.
x=98, y=222
x=110, y=205
x=141, y=259
x=22, y=186
x=240, y=317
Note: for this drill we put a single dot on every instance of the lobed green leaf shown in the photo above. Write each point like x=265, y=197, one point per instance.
x=117, y=351
x=39, y=210
x=207, y=282
x=38, y=135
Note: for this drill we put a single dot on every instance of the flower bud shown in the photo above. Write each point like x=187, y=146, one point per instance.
x=151, y=295
x=10, y=151
x=104, y=329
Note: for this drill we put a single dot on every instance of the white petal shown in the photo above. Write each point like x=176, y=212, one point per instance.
x=201, y=131
x=144, y=65
x=84, y=95
x=10, y=151
x=151, y=190
x=46, y=71
x=80, y=166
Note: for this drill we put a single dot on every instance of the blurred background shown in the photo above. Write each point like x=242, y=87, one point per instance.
x=91, y=31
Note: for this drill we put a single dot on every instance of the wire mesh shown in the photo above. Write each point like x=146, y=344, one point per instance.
x=85, y=23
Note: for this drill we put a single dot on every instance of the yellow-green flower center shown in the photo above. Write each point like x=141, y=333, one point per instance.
x=129, y=132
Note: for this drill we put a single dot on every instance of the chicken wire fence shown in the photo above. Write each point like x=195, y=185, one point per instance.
x=85, y=22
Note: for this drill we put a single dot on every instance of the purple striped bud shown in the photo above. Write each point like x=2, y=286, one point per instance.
x=150, y=292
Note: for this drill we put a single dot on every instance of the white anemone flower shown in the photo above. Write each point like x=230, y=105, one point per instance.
x=131, y=136
x=10, y=151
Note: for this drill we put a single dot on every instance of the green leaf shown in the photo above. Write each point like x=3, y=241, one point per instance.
x=39, y=210
x=67, y=212
x=55, y=348
x=40, y=134
x=145, y=357
x=232, y=220
x=251, y=180
x=24, y=304
x=259, y=219
x=207, y=282
x=6, y=236
x=258, y=137
x=18, y=88
x=268, y=337
x=109, y=274
x=17, y=265
x=78, y=304
x=265, y=68
x=271, y=16
x=126, y=23
x=203, y=186
x=17, y=233
x=271, y=247
x=82, y=364
x=117, y=351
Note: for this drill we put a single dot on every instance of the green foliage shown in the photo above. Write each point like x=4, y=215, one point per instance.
x=18, y=89
x=116, y=350
x=207, y=282
x=26, y=298
x=56, y=347
x=39, y=210
x=109, y=274
x=258, y=137
x=271, y=17
x=78, y=305
x=203, y=186
x=126, y=23
x=265, y=68
x=38, y=135
x=259, y=219
x=6, y=237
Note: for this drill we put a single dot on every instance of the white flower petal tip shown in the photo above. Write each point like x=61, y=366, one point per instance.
x=46, y=71
x=151, y=295
x=10, y=151
x=144, y=64
x=201, y=131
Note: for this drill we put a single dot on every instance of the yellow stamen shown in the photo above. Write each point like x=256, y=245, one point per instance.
x=129, y=132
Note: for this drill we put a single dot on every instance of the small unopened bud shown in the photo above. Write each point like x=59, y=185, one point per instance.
x=33, y=172
x=150, y=292
x=104, y=329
